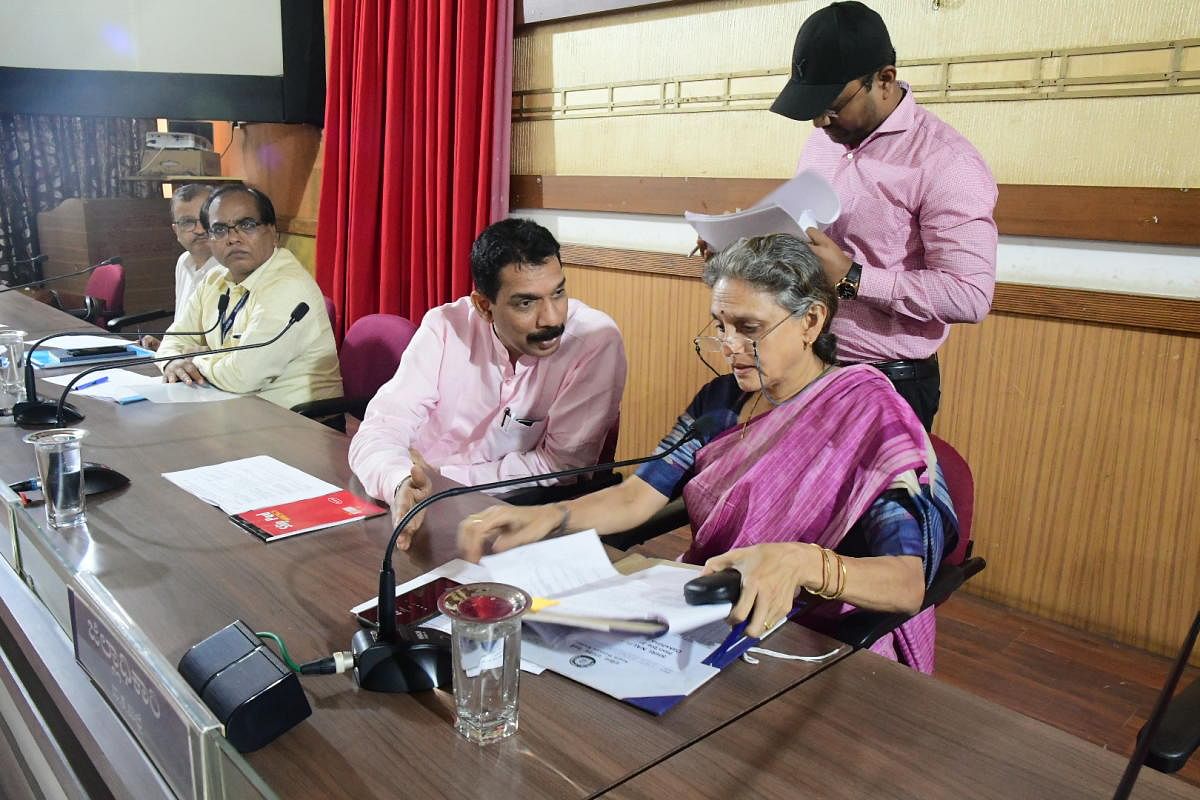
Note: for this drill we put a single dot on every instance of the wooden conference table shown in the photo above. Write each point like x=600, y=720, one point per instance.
x=181, y=570
x=855, y=727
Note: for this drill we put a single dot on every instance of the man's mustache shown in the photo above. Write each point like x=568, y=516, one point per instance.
x=546, y=334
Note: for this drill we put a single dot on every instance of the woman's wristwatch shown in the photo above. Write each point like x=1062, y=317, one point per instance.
x=847, y=287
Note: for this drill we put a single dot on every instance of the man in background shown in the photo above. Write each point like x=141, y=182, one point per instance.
x=265, y=283
x=197, y=260
x=914, y=249
x=513, y=380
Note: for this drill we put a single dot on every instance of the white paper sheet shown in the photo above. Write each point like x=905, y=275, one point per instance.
x=655, y=592
x=122, y=385
x=161, y=392
x=552, y=566
x=806, y=201
x=80, y=341
x=249, y=483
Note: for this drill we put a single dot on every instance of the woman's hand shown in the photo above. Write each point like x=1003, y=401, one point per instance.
x=772, y=575
x=507, y=527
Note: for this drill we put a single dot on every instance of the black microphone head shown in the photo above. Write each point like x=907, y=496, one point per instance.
x=707, y=426
x=222, y=304
x=299, y=311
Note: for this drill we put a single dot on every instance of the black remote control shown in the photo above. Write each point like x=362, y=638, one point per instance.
x=720, y=587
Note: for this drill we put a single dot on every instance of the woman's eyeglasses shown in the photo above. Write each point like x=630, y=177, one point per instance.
x=736, y=342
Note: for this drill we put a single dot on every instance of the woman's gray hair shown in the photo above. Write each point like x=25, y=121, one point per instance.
x=784, y=266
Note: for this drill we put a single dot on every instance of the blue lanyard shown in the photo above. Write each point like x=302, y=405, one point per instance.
x=227, y=323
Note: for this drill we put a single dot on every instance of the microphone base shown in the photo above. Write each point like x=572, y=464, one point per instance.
x=419, y=660
x=44, y=412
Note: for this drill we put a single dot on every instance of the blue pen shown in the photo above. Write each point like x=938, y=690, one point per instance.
x=90, y=384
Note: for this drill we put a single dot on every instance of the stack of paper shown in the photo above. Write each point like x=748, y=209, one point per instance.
x=806, y=201
x=249, y=483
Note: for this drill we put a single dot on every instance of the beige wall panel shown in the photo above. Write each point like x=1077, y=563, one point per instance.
x=1094, y=142
x=1103, y=141
x=706, y=37
x=1084, y=439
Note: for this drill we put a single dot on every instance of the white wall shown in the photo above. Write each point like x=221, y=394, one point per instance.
x=1102, y=266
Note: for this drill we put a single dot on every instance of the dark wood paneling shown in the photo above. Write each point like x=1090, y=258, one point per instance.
x=1110, y=308
x=1106, y=213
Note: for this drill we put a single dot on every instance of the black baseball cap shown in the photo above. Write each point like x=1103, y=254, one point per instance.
x=834, y=46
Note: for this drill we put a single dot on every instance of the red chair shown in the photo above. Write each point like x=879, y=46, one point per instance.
x=368, y=358
x=861, y=628
x=104, y=297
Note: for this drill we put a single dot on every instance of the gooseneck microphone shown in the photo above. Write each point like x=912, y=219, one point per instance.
x=52, y=278
x=298, y=314
x=383, y=657
x=35, y=411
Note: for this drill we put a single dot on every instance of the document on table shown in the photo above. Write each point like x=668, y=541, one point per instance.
x=653, y=593
x=119, y=385
x=161, y=392
x=249, y=483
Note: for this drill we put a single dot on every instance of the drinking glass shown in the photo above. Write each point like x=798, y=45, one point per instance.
x=486, y=637
x=60, y=469
x=12, y=351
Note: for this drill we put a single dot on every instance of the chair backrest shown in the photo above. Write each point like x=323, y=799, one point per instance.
x=331, y=310
x=107, y=284
x=962, y=491
x=371, y=353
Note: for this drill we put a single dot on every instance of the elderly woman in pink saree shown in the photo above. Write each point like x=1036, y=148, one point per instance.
x=818, y=478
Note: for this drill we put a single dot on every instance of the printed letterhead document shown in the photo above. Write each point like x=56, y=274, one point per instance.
x=249, y=483
x=806, y=201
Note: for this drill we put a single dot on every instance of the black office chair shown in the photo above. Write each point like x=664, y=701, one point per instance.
x=117, y=324
x=1178, y=733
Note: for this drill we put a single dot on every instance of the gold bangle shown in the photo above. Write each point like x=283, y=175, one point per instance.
x=841, y=577
x=824, y=565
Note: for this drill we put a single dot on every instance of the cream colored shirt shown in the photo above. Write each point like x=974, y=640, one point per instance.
x=188, y=276
x=300, y=367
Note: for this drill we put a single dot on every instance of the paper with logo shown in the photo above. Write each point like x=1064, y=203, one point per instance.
x=280, y=521
x=806, y=201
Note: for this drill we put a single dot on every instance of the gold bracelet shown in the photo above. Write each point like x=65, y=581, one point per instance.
x=841, y=577
x=824, y=575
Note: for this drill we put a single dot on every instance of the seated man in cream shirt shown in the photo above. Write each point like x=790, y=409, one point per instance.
x=265, y=283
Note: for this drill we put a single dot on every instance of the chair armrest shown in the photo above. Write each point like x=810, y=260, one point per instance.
x=316, y=409
x=861, y=629
x=1178, y=734
x=117, y=323
x=671, y=516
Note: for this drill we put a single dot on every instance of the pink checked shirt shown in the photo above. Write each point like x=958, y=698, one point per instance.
x=917, y=203
x=459, y=400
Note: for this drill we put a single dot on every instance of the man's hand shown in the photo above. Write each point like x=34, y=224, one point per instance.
x=835, y=262
x=412, y=490
x=703, y=249
x=507, y=527
x=183, y=370
x=150, y=342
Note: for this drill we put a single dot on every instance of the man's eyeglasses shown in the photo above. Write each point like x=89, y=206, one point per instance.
x=832, y=113
x=186, y=223
x=219, y=230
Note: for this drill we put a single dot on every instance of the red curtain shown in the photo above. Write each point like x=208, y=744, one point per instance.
x=416, y=150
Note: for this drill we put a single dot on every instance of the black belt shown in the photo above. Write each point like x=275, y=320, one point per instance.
x=905, y=369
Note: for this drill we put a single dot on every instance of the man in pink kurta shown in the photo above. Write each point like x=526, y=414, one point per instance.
x=914, y=249
x=513, y=380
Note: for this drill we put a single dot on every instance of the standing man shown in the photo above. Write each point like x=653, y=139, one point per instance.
x=197, y=260
x=265, y=283
x=914, y=249
x=513, y=380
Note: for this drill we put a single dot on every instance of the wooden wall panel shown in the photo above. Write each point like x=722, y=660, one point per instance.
x=1084, y=439
x=1108, y=213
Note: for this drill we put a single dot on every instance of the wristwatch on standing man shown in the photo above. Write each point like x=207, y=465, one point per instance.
x=847, y=287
